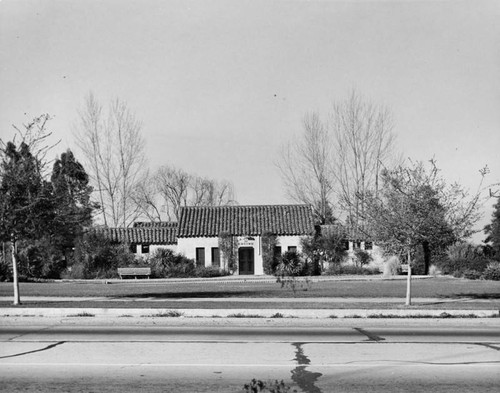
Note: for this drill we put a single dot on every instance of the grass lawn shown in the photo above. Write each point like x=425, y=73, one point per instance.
x=135, y=291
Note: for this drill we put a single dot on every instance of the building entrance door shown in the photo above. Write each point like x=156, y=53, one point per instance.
x=246, y=260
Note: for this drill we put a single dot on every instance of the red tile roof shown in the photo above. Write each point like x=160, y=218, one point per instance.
x=343, y=231
x=165, y=234
x=149, y=224
x=246, y=220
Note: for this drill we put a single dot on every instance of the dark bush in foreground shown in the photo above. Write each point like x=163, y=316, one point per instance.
x=470, y=274
x=267, y=386
x=166, y=263
x=96, y=257
x=5, y=270
x=335, y=270
x=492, y=272
x=292, y=265
x=462, y=258
x=202, y=271
x=460, y=266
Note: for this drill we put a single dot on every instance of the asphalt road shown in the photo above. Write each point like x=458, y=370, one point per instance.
x=352, y=356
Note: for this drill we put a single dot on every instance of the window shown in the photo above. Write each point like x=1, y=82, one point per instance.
x=200, y=256
x=145, y=248
x=292, y=248
x=215, y=257
x=133, y=248
x=368, y=245
x=345, y=244
x=277, y=251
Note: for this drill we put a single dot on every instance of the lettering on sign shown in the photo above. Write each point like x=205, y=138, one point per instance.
x=246, y=241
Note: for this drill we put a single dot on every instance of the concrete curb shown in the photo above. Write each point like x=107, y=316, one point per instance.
x=242, y=313
x=242, y=279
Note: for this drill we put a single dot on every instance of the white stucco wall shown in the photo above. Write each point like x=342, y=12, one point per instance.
x=153, y=248
x=289, y=241
x=188, y=246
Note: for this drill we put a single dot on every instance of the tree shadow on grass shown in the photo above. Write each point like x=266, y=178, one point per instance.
x=187, y=295
x=478, y=296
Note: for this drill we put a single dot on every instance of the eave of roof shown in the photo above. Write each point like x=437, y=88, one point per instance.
x=166, y=235
x=240, y=220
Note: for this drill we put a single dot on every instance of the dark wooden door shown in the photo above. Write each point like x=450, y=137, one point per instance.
x=246, y=260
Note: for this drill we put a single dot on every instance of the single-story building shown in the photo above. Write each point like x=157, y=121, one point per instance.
x=197, y=234
x=201, y=227
x=146, y=237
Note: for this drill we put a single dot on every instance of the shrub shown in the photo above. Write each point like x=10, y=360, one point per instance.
x=228, y=246
x=165, y=263
x=96, y=257
x=371, y=270
x=210, y=271
x=5, y=270
x=462, y=257
x=471, y=274
x=335, y=270
x=492, y=272
x=328, y=249
x=270, y=386
x=351, y=270
x=290, y=268
x=292, y=265
x=391, y=266
x=269, y=258
x=362, y=257
x=40, y=259
x=434, y=270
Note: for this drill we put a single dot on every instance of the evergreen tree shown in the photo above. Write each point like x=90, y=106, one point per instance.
x=492, y=231
x=25, y=200
x=73, y=208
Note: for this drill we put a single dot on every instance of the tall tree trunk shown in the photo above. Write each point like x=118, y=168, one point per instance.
x=408, y=281
x=427, y=256
x=15, y=279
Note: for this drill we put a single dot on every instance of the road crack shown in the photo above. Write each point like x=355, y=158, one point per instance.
x=33, y=351
x=371, y=337
x=300, y=375
x=489, y=346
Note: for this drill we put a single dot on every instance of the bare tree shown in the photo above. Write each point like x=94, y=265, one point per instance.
x=306, y=168
x=209, y=192
x=363, y=144
x=177, y=188
x=113, y=148
x=146, y=198
x=173, y=186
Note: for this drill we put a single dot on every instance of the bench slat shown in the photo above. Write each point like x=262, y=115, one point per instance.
x=134, y=271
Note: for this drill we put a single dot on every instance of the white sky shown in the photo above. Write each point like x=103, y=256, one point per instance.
x=221, y=85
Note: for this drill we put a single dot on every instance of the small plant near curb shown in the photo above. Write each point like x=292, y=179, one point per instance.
x=276, y=386
x=290, y=272
x=81, y=314
x=416, y=316
x=241, y=315
x=333, y=316
x=167, y=314
x=278, y=315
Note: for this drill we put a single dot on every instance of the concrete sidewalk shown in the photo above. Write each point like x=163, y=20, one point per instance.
x=243, y=313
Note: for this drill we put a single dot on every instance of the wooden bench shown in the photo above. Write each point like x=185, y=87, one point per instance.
x=134, y=271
